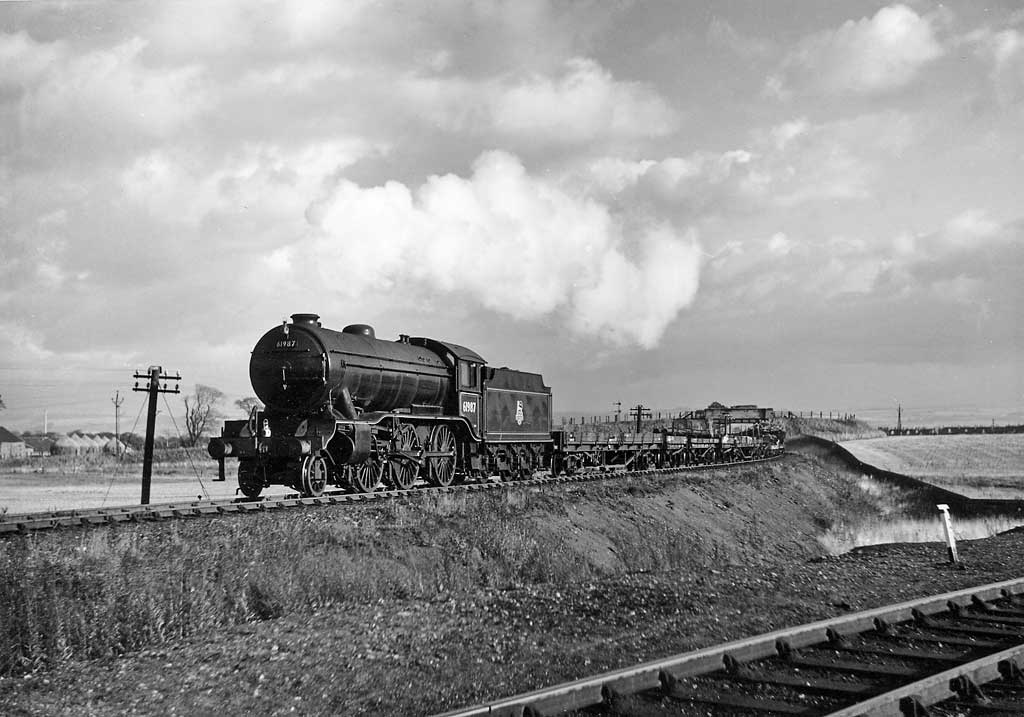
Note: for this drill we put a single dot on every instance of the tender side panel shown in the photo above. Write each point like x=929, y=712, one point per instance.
x=517, y=407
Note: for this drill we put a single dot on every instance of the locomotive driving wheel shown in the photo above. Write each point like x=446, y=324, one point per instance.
x=250, y=479
x=402, y=468
x=441, y=469
x=314, y=476
x=365, y=476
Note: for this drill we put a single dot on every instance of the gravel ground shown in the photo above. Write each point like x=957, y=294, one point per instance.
x=421, y=656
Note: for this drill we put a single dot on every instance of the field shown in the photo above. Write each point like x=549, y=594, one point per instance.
x=67, y=482
x=978, y=466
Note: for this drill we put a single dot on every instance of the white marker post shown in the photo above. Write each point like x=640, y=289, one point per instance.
x=950, y=539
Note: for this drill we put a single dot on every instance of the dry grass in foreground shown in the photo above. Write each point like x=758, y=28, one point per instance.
x=109, y=591
x=977, y=465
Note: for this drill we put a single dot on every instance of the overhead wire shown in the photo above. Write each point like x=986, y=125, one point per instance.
x=187, y=453
x=114, y=475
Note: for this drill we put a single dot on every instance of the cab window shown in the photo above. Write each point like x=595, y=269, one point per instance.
x=467, y=374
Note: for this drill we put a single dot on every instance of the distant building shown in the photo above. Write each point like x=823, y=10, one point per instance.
x=66, y=446
x=39, y=445
x=115, y=447
x=11, y=446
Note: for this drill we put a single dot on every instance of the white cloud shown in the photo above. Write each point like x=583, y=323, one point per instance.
x=511, y=242
x=780, y=244
x=786, y=132
x=269, y=181
x=102, y=98
x=786, y=165
x=870, y=55
x=613, y=175
x=583, y=104
x=23, y=61
x=970, y=226
x=723, y=34
x=586, y=102
x=1005, y=52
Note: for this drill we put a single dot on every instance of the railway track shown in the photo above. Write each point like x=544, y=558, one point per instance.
x=28, y=522
x=953, y=654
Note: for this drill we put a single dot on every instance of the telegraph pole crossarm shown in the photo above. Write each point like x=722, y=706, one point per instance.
x=640, y=412
x=153, y=386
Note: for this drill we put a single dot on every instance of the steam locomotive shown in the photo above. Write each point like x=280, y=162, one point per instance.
x=350, y=410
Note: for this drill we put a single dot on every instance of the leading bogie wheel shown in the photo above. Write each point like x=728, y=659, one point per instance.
x=314, y=476
x=441, y=469
x=250, y=479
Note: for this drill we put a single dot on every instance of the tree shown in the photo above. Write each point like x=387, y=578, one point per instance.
x=245, y=405
x=201, y=410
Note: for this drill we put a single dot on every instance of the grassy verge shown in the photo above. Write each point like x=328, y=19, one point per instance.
x=113, y=590
x=104, y=592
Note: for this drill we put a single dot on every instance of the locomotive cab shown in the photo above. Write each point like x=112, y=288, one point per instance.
x=466, y=367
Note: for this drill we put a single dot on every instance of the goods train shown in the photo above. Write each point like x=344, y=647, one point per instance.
x=350, y=410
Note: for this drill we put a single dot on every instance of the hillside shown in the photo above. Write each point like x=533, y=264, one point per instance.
x=446, y=599
x=828, y=428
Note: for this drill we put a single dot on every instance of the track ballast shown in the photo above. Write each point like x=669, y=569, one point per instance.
x=962, y=650
x=89, y=517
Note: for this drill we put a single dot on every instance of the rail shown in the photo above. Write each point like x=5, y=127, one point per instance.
x=996, y=630
x=27, y=522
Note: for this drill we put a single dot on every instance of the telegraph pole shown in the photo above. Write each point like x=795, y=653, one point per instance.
x=117, y=401
x=640, y=413
x=154, y=376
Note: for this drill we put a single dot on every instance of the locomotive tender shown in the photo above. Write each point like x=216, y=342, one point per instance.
x=347, y=409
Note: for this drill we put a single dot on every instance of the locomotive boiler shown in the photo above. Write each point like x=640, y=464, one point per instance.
x=345, y=408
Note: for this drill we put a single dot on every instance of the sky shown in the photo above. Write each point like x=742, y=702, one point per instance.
x=807, y=205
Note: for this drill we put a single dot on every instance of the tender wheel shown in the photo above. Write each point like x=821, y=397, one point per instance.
x=402, y=471
x=314, y=476
x=250, y=479
x=569, y=465
x=441, y=469
x=526, y=466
